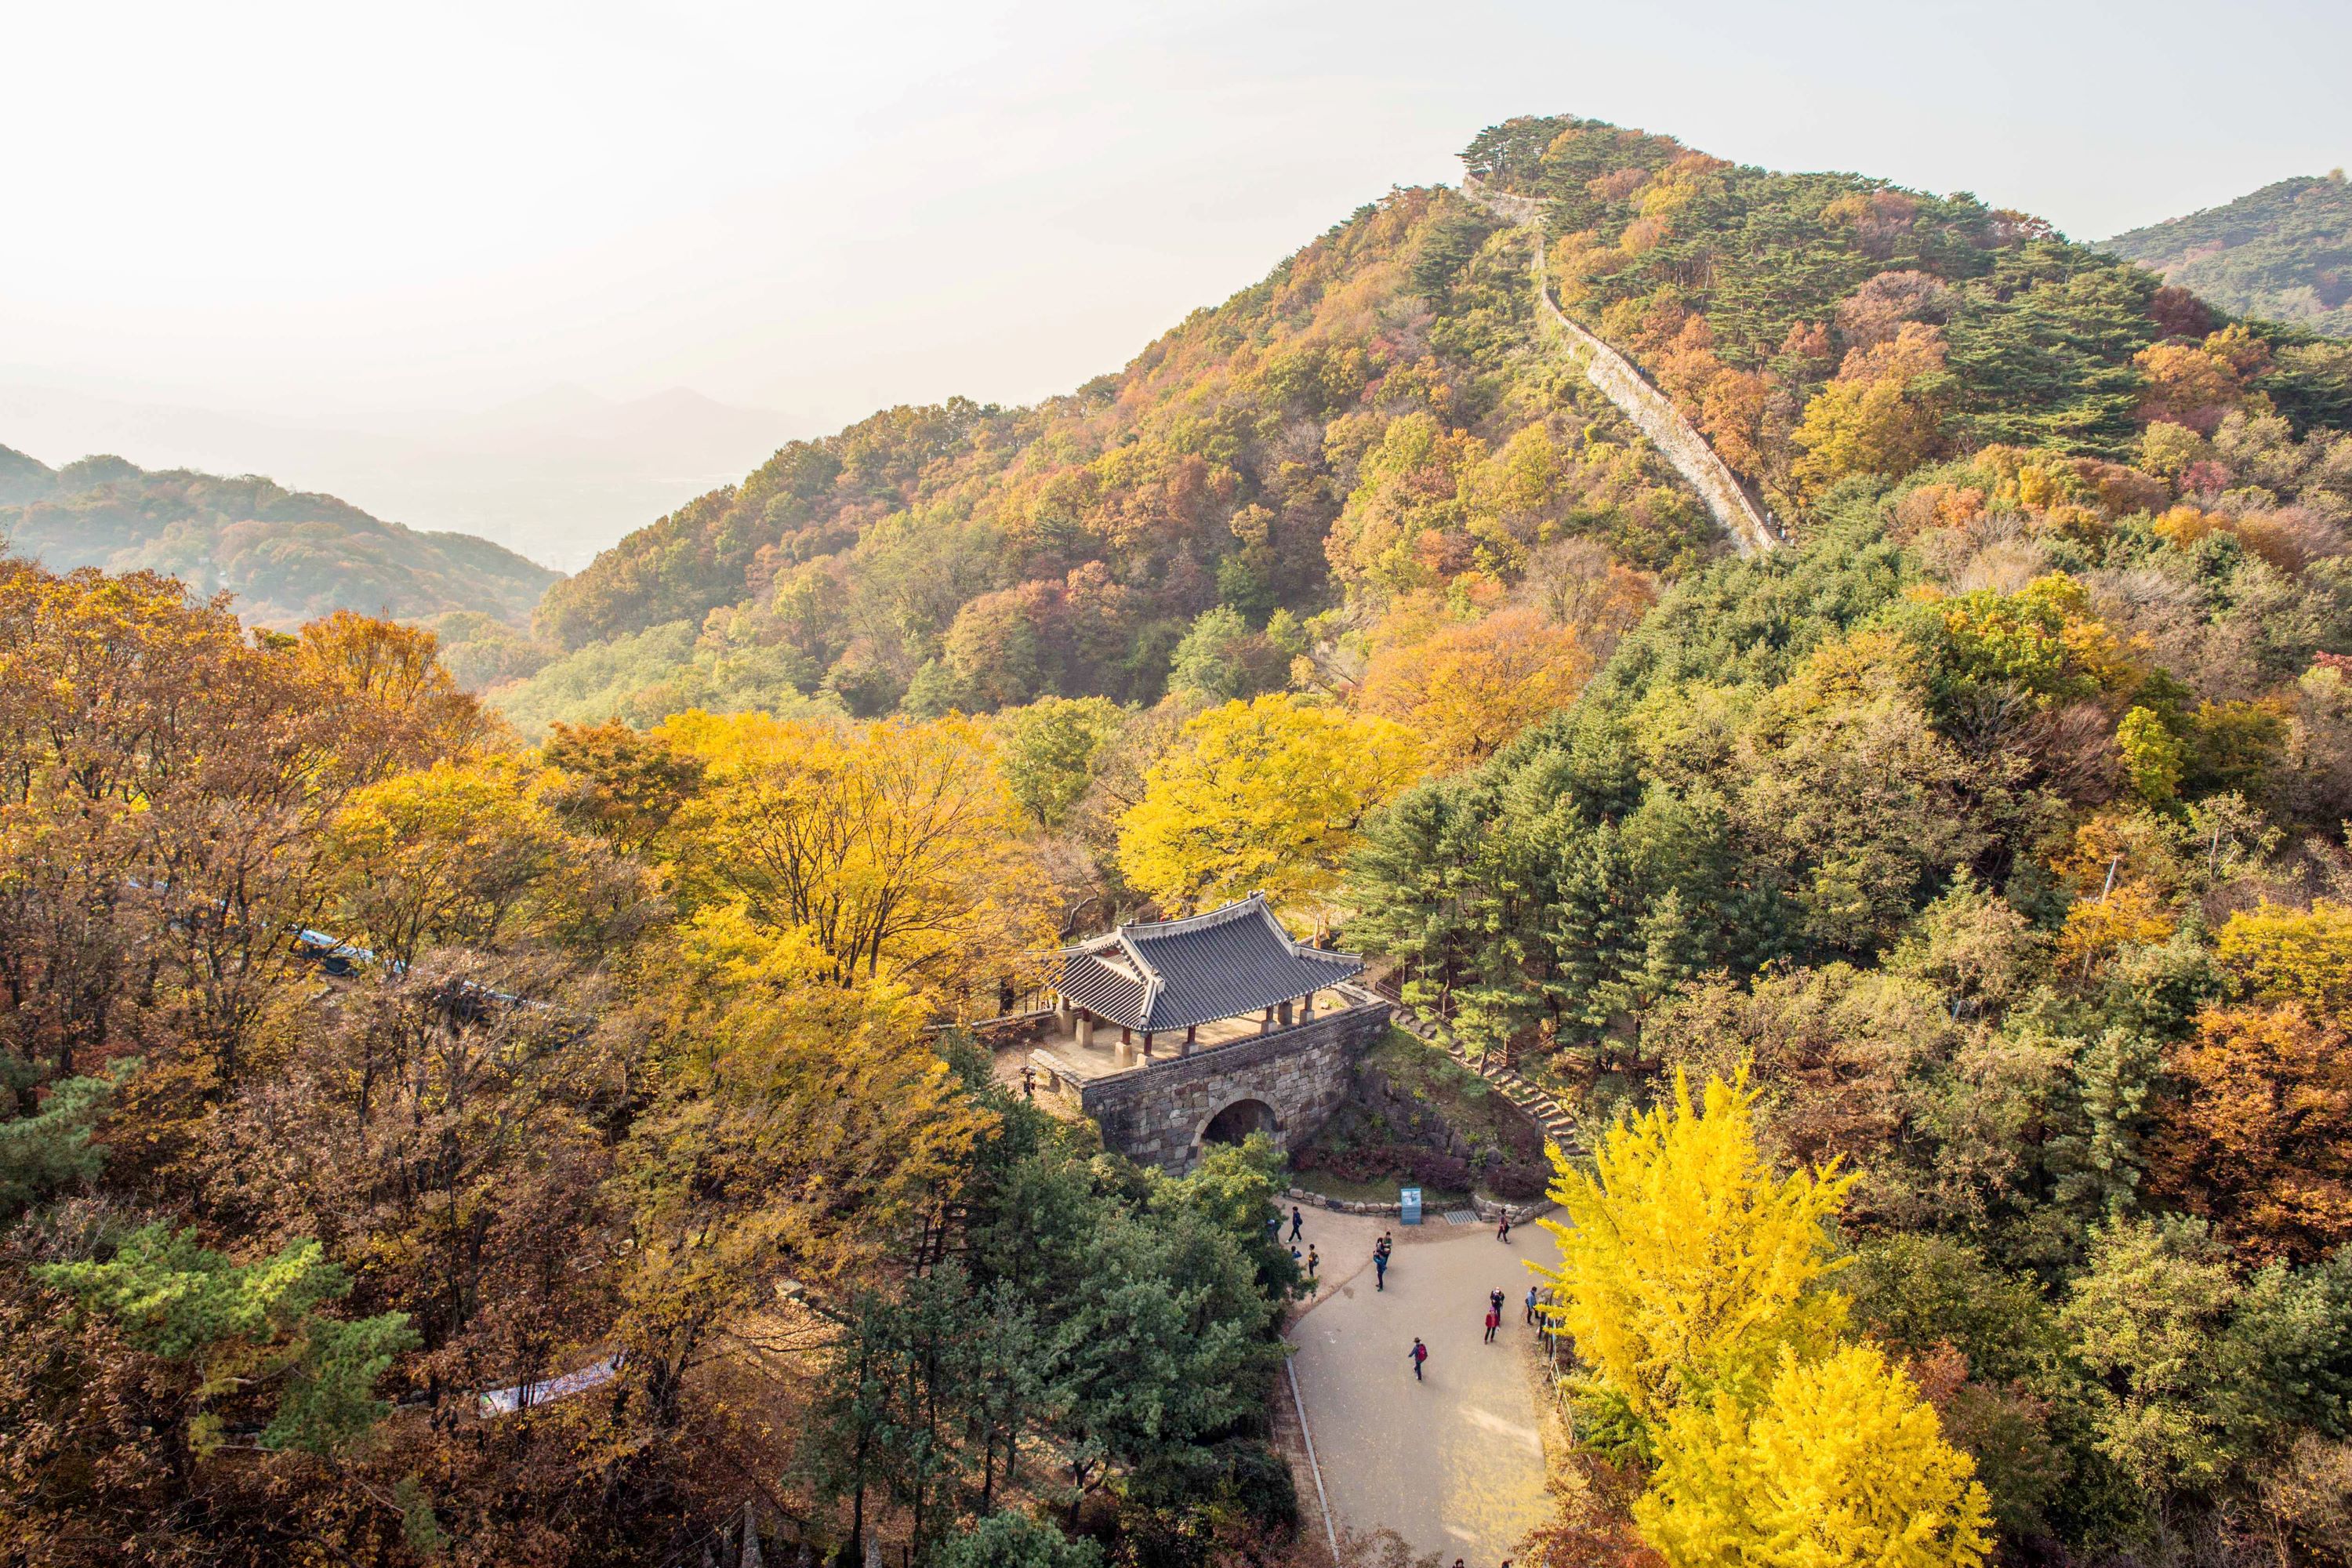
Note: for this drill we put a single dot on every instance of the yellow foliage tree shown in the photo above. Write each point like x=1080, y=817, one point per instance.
x=1515, y=495
x=2290, y=955
x=463, y=852
x=2152, y=755
x=1467, y=689
x=1395, y=529
x=1686, y=1264
x=1842, y=1463
x=392, y=701
x=1877, y=416
x=803, y=1136
x=889, y=848
x=2129, y=914
x=1261, y=795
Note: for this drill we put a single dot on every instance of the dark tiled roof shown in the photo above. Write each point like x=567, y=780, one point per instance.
x=1102, y=988
x=1176, y=973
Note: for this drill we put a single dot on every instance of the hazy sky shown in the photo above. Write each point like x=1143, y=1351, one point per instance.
x=323, y=211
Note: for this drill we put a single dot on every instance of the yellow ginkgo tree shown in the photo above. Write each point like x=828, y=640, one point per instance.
x=1685, y=1264
x=1840, y=1463
x=1696, y=1283
x=1266, y=796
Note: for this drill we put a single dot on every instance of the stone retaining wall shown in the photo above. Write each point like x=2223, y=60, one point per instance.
x=1488, y=1210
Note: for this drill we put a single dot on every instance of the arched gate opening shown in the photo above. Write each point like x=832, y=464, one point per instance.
x=1236, y=1121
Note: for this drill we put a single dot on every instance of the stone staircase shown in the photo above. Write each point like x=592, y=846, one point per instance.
x=1558, y=1126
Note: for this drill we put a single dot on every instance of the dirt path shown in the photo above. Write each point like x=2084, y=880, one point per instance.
x=1454, y=1464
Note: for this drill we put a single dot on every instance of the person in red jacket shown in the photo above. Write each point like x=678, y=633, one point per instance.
x=1420, y=1353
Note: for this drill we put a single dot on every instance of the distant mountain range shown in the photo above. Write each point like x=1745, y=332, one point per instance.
x=2284, y=253
x=556, y=476
x=289, y=556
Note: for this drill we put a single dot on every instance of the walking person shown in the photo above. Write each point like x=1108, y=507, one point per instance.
x=1493, y=1321
x=1495, y=1302
x=1028, y=1081
x=1313, y=1263
x=1531, y=1303
x=1379, y=1270
x=1298, y=1223
x=1502, y=1229
x=1418, y=1353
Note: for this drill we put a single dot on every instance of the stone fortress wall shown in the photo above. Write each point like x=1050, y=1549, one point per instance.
x=1157, y=1113
x=1652, y=412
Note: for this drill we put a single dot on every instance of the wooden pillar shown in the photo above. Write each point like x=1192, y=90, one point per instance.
x=1265, y=1024
x=1283, y=1015
x=1086, y=1031
x=1191, y=1035
x=1147, y=1044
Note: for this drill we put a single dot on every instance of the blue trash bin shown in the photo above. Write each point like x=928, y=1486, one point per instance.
x=1409, y=1199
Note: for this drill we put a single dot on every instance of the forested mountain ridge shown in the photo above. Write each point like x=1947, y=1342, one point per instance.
x=2282, y=252
x=1816, y=325
x=1810, y=326
x=979, y=556
x=287, y=555
x=1958, y=898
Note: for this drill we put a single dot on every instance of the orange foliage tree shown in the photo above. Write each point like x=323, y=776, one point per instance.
x=1467, y=688
x=2198, y=385
x=2259, y=1138
x=164, y=782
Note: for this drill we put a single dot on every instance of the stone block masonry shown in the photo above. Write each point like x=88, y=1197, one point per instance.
x=1157, y=1114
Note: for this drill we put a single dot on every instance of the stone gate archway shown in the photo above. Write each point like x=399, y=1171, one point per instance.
x=1236, y=1121
x=1162, y=1113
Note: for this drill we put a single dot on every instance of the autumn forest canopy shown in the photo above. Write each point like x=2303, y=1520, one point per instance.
x=1945, y=918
